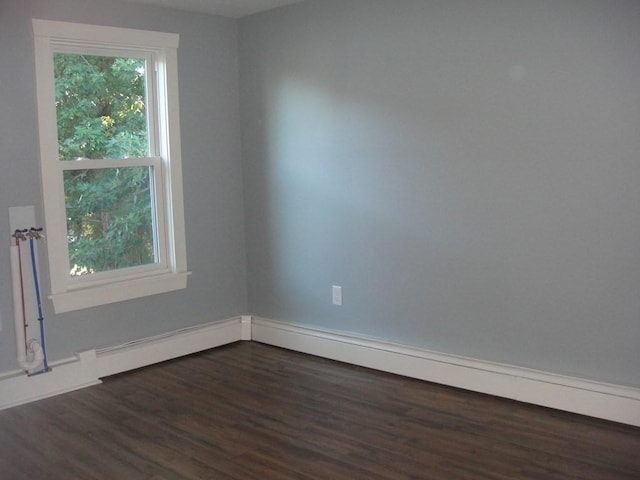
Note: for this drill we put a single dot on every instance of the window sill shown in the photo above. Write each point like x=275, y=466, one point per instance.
x=118, y=291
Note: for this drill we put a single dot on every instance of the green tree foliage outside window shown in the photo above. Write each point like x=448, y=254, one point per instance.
x=101, y=114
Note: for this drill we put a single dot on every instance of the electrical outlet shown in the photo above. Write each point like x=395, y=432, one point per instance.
x=336, y=292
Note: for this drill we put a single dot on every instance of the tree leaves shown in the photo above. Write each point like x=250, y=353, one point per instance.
x=100, y=105
x=99, y=99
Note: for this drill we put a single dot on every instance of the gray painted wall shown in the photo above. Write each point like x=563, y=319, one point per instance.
x=468, y=171
x=207, y=59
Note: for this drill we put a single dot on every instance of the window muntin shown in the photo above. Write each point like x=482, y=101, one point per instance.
x=141, y=234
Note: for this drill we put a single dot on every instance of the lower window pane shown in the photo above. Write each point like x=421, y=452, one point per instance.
x=110, y=219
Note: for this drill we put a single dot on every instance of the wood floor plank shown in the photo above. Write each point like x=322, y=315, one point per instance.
x=250, y=411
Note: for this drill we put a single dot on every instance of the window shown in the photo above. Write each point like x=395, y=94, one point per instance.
x=110, y=158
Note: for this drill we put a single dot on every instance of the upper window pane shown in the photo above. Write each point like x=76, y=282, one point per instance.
x=101, y=106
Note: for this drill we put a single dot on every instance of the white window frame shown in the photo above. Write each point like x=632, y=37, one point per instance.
x=170, y=272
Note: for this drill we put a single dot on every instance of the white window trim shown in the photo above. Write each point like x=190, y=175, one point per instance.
x=67, y=295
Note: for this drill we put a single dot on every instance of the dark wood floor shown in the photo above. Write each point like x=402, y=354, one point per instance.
x=250, y=411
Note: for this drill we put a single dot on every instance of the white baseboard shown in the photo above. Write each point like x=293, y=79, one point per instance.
x=65, y=376
x=87, y=367
x=166, y=347
x=609, y=402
